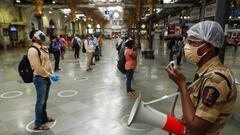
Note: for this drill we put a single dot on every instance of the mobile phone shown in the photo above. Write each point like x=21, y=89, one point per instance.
x=173, y=64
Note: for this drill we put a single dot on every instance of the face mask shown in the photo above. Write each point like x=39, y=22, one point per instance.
x=46, y=42
x=191, y=53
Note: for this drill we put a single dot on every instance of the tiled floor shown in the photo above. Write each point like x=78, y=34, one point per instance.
x=101, y=106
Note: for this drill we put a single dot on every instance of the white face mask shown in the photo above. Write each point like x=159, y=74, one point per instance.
x=191, y=53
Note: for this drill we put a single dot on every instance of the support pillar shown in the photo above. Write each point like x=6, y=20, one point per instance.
x=139, y=34
x=138, y=23
x=73, y=28
x=38, y=13
x=149, y=53
x=73, y=14
x=202, y=12
x=222, y=17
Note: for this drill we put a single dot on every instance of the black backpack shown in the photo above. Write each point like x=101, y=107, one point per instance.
x=25, y=69
x=121, y=62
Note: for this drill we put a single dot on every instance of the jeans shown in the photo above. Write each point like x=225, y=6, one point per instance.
x=42, y=86
x=76, y=53
x=129, y=74
x=57, y=59
x=100, y=50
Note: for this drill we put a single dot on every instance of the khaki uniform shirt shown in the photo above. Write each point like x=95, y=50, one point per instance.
x=214, y=97
x=40, y=67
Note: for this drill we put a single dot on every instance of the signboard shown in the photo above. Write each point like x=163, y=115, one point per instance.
x=210, y=10
x=174, y=20
x=195, y=14
x=109, y=12
x=161, y=23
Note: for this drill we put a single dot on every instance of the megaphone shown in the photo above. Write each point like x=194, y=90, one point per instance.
x=141, y=113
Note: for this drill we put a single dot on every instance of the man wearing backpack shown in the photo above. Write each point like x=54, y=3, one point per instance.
x=76, y=41
x=42, y=73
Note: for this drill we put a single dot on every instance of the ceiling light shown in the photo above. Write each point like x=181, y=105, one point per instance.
x=116, y=15
x=98, y=26
x=143, y=26
x=18, y=1
x=50, y=12
x=66, y=10
x=53, y=1
x=65, y=16
x=80, y=15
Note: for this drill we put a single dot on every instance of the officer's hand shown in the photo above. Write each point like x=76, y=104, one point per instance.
x=55, y=77
x=175, y=74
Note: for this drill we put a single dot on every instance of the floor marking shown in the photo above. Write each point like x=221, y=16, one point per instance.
x=37, y=131
x=60, y=94
x=18, y=93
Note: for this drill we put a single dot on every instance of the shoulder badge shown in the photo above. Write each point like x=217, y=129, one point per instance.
x=210, y=96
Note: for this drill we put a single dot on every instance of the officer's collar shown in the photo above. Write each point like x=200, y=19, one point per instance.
x=212, y=62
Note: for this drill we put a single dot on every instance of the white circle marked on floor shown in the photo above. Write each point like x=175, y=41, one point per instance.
x=80, y=78
x=124, y=122
x=36, y=131
x=67, y=93
x=11, y=94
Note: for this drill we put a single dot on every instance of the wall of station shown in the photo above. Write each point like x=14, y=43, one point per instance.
x=16, y=24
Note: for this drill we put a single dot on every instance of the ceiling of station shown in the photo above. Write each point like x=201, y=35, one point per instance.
x=122, y=9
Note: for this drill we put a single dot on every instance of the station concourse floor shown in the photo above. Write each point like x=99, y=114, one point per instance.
x=100, y=106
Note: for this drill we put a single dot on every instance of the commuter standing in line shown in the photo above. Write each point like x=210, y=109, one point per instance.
x=76, y=41
x=100, y=44
x=208, y=103
x=171, y=45
x=90, y=51
x=180, y=52
x=41, y=66
x=130, y=65
x=63, y=46
x=56, y=45
x=95, y=41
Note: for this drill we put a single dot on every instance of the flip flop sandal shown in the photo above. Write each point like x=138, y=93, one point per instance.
x=130, y=94
x=135, y=94
x=50, y=120
x=41, y=127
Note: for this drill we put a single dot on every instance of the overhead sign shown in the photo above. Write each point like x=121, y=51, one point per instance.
x=210, y=10
x=174, y=19
x=195, y=14
x=109, y=12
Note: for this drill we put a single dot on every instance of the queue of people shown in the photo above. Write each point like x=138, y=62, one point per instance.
x=206, y=105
